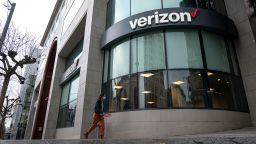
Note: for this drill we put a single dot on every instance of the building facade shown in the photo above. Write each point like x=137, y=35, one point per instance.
x=167, y=67
x=21, y=112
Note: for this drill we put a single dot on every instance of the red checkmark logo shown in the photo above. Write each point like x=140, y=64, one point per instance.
x=194, y=13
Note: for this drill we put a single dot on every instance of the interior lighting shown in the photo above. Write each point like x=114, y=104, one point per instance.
x=146, y=92
x=147, y=75
x=210, y=74
x=124, y=99
x=151, y=102
x=219, y=80
x=118, y=87
x=178, y=82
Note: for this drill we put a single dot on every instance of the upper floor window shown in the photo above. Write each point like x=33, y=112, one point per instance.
x=74, y=55
x=121, y=9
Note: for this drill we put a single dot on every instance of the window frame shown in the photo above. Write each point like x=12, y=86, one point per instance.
x=62, y=106
x=208, y=100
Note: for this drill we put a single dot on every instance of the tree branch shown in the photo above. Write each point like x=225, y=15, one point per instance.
x=3, y=69
x=3, y=60
x=1, y=74
x=21, y=78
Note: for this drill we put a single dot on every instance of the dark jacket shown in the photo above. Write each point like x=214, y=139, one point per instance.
x=98, y=109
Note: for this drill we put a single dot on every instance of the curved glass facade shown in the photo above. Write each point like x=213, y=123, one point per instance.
x=121, y=9
x=181, y=68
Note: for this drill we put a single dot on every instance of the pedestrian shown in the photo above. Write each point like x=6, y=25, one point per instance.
x=98, y=117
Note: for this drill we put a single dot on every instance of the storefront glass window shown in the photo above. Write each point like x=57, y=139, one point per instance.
x=187, y=88
x=220, y=91
x=67, y=109
x=215, y=52
x=74, y=89
x=138, y=6
x=153, y=90
x=233, y=58
x=239, y=94
x=65, y=94
x=120, y=97
x=179, y=3
x=106, y=60
x=120, y=59
x=148, y=52
x=183, y=49
x=141, y=80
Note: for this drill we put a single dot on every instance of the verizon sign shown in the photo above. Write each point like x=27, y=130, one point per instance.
x=163, y=18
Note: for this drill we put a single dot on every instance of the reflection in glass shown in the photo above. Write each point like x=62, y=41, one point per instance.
x=66, y=117
x=216, y=5
x=120, y=10
x=74, y=88
x=106, y=60
x=122, y=94
x=233, y=58
x=187, y=88
x=220, y=91
x=215, y=52
x=138, y=77
x=138, y=6
x=119, y=64
x=65, y=94
x=75, y=54
x=147, y=52
x=68, y=103
x=179, y=3
x=153, y=90
x=239, y=94
x=183, y=49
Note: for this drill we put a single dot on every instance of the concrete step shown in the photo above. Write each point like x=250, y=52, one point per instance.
x=178, y=140
x=240, y=136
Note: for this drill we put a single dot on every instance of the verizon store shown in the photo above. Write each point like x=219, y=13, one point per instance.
x=170, y=70
x=168, y=67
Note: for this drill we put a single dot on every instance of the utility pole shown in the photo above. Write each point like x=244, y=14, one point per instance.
x=6, y=26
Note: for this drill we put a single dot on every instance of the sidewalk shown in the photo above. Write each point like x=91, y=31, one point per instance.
x=241, y=136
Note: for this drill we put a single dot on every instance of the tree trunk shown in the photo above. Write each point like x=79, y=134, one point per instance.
x=2, y=128
x=3, y=91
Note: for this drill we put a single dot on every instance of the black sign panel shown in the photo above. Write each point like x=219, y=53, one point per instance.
x=172, y=18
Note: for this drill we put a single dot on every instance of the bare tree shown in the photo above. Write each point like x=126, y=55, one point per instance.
x=17, y=51
x=6, y=112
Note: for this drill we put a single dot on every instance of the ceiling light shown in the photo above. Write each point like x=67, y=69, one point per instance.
x=228, y=82
x=209, y=74
x=146, y=75
x=211, y=89
x=150, y=102
x=118, y=87
x=178, y=82
x=146, y=92
x=199, y=75
x=219, y=80
x=124, y=99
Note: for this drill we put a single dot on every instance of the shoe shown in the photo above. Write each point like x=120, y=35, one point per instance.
x=86, y=135
x=101, y=136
